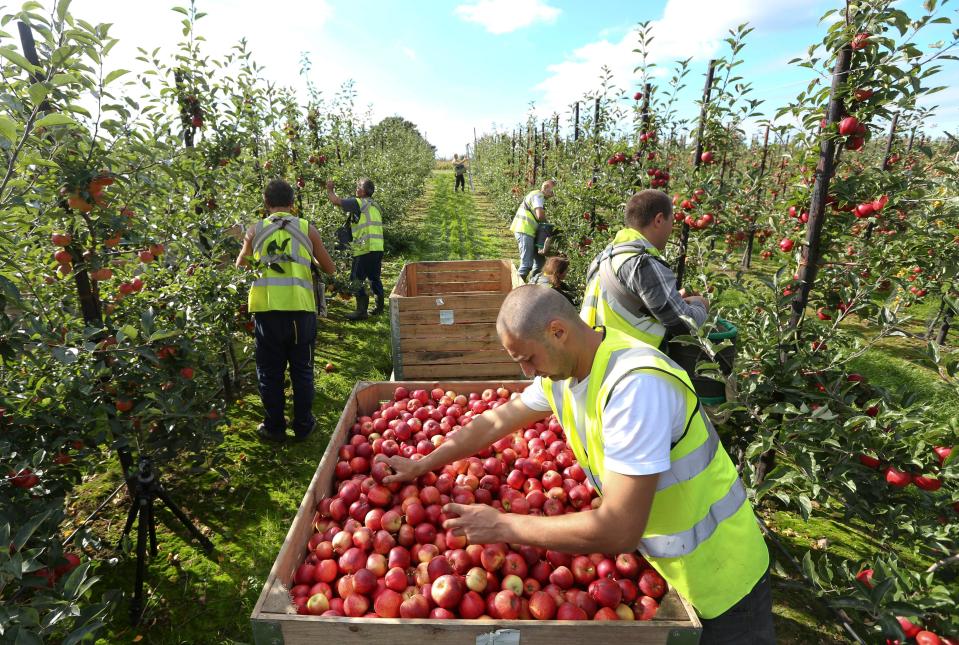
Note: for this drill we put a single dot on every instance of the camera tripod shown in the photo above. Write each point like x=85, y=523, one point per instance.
x=144, y=489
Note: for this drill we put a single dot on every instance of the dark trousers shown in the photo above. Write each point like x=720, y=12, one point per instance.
x=460, y=181
x=365, y=267
x=748, y=622
x=282, y=338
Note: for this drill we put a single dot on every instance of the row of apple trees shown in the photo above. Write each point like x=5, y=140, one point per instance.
x=816, y=236
x=122, y=319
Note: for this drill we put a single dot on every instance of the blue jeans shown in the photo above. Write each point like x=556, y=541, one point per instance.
x=528, y=257
x=748, y=622
x=285, y=337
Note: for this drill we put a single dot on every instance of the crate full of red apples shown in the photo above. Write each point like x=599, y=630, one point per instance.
x=367, y=562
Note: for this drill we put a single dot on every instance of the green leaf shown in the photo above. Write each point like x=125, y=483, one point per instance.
x=805, y=506
x=8, y=128
x=38, y=92
x=78, y=635
x=26, y=531
x=66, y=355
x=62, y=7
x=72, y=584
x=17, y=58
x=54, y=119
x=128, y=331
x=25, y=637
x=115, y=74
x=62, y=79
x=809, y=568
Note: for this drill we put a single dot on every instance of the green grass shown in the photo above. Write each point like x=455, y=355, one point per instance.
x=247, y=507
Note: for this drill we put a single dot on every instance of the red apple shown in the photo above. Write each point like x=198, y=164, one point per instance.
x=507, y=605
x=317, y=604
x=652, y=584
x=569, y=611
x=416, y=606
x=447, y=591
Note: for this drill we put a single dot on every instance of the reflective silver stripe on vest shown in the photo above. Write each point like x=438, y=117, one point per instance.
x=371, y=236
x=645, y=324
x=685, y=542
x=293, y=228
x=590, y=301
x=686, y=467
x=299, y=259
x=284, y=282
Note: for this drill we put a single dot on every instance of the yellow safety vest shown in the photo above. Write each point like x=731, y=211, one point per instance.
x=701, y=535
x=524, y=221
x=368, y=230
x=600, y=309
x=282, y=244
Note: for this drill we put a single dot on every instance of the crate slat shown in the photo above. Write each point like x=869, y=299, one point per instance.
x=465, y=285
x=478, y=331
x=461, y=370
x=456, y=356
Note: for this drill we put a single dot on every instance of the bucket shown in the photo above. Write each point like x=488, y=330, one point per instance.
x=710, y=391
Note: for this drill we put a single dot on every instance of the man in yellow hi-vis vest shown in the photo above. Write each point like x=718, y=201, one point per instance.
x=529, y=214
x=366, y=226
x=631, y=288
x=668, y=487
x=284, y=309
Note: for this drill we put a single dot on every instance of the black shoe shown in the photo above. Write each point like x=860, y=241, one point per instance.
x=362, y=303
x=266, y=435
x=379, y=306
x=304, y=435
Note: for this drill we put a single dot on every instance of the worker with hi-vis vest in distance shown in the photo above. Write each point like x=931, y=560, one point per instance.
x=284, y=248
x=669, y=489
x=530, y=217
x=366, y=242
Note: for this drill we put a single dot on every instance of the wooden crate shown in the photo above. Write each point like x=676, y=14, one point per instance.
x=276, y=623
x=452, y=304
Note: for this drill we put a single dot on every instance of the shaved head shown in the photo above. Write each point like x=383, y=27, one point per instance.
x=527, y=311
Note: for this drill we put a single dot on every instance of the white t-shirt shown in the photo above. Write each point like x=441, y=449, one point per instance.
x=537, y=200
x=640, y=421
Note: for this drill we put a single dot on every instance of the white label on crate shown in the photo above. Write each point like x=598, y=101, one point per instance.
x=446, y=316
x=439, y=302
x=499, y=637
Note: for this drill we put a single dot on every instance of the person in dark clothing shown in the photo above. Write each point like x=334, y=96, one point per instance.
x=284, y=248
x=366, y=226
x=459, y=169
x=554, y=275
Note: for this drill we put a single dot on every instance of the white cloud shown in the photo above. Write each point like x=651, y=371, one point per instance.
x=153, y=24
x=409, y=53
x=687, y=28
x=504, y=16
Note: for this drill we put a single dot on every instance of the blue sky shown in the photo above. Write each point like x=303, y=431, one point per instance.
x=453, y=66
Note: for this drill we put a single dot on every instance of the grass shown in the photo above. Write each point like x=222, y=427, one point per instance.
x=247, y=508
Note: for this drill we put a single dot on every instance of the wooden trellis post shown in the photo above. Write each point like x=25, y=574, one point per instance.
x=684, y=235
x=747, y=254
x=576, y=121
x=812, y=251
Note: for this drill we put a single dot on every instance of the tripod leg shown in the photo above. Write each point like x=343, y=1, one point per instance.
x=180, y=515
x=151, y=523
x=131, y=516
x=136, y=605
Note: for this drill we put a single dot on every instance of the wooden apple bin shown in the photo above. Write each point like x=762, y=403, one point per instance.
x=443, y=320
x=275, y=621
